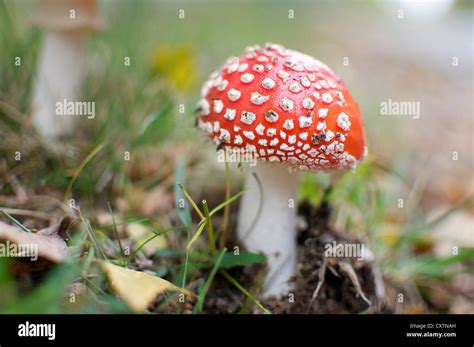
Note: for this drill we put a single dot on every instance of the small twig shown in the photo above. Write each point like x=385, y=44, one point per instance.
x=26, y=213
x=349, y=271
x=21, y=226
x=321, y=278
x=333, y=271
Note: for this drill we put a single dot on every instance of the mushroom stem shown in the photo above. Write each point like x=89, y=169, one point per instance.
x=60, y=74
x=61, y=65
x=267, y=222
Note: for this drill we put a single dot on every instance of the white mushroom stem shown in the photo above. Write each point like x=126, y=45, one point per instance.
x=61, y=66
x=60, y=74
x=267, y=222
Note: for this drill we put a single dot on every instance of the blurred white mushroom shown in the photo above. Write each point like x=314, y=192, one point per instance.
x=67, y=24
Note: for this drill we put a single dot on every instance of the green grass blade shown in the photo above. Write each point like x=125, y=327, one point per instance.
x=125, y=222
x=77, y=172
x=225, y=203
x=155, y=235
x=207, y=285
x=197, y=234
x=91, y=234
x=243, y=290
x=209, y=228
x=191, y=201
x=185, y=271
x=14, y=220
x=117, y=236
x=415, y=232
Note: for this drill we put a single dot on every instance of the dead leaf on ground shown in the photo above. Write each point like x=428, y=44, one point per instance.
x=137, y=289
x=49, y=245
x=150, y=202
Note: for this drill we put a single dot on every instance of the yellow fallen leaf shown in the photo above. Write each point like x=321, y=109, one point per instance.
x=140, y=234
x=137, y=289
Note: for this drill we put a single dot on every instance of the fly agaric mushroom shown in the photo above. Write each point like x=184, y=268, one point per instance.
x=62, y=60
x=293, y=113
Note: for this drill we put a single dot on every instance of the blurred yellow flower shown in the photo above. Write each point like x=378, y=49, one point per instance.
x=177, y=65
x=391, y=235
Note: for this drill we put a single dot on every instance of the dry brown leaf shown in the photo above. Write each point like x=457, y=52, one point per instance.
x=137, y=289
x=50, y=246
x=149, y=203
x=157, y=200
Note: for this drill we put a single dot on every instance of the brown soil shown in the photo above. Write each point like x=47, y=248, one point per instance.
x=337, y=294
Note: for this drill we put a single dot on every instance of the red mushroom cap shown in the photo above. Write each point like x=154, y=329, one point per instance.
x=284, y=106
